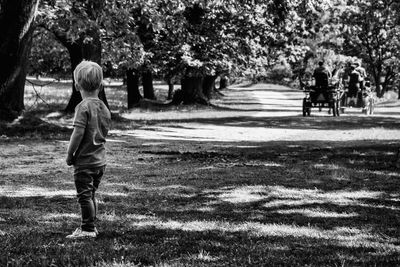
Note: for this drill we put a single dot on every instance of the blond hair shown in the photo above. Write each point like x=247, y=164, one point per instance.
x=88, y=76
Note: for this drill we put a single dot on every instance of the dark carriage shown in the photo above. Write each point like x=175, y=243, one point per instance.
x=329, y=96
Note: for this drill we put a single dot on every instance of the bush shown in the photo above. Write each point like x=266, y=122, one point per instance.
x=280, y=72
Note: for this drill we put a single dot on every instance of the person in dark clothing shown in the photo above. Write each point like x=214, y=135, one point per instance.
x=354, y=85
x=321, y=76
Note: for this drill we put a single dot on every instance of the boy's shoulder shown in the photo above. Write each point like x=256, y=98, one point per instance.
x=88, y=102
x=95, y=104
x=91, y=104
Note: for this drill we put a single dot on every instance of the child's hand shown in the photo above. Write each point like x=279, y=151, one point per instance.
x=70, y=160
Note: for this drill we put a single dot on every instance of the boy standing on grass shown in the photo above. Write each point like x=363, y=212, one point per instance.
x=86, y=151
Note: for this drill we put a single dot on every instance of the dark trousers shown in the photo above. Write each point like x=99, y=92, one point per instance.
x=86, y=182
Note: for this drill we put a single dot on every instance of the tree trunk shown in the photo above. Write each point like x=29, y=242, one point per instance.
x=377, y=79
x=378, y=88
x=147, y=80
x=170, y=89
x=132, y=87
x=79, y=51
x=398, y=92
x=16, y=19
x=209, y=85
x=75, y=55
x=192, y=90
x=223, y=82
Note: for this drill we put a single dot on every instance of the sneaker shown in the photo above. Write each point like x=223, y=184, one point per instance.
x=78, y=233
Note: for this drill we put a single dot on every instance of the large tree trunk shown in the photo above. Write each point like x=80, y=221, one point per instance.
x=147, y=80
x=83, y=48
x=75, y=55
x=192, y=90
x=209, y=85
x=132, y=87
x=16, y=19
x=79, y=51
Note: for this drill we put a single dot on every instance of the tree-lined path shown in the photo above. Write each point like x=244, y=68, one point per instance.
x=267, y=112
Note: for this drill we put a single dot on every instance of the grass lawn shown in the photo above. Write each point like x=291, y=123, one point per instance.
x=192, y=202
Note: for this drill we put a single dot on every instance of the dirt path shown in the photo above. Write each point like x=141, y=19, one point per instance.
x=266, y=112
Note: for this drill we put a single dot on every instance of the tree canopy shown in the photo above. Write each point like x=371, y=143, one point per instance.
x=174, y=39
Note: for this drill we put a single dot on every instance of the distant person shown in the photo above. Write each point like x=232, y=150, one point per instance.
x=353, y=86
x=363, y=73
x=86, y=151
x=346, y=73
x=322, y=76
x=338, y=74
x=366, y=92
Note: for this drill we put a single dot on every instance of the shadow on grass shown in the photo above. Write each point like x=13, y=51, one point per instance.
x=285, y=203
x=297, y=122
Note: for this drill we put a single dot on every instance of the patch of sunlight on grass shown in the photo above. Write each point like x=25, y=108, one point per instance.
x=344, y=236
x=340, y=177
x=34, y=191
x=394, y=198
x=120, y=165
x=202, y=256
x=272, y=164
x=139, y=217
x=378, y=206
x=206, y=209
x=326, y=166
x=394, y=174
x=244, y=194
x=317, y=213
x=359, y=153
x=113, y=194
x=282, y=196
x=389, y=153
x=132, y=187
x=111, y=217
x=57, y=216
x=293, y=197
